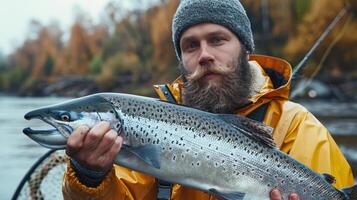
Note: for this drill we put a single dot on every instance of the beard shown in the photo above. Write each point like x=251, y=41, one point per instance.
x=226, y=95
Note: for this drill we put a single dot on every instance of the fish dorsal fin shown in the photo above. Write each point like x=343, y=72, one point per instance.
x=251, y=128
x=329, y=178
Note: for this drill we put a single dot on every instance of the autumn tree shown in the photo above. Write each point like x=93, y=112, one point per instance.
x=339, y=47
x=164, y=58
x=49, y=49
x=132, y=48
x=42, y=44
x=78, y=52
x=128, y=52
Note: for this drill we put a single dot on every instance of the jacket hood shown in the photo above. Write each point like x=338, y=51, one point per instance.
x=279, y=72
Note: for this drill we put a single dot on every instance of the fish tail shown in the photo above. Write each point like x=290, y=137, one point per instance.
x=350, y=192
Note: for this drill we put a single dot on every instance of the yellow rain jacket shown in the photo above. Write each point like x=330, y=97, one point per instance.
x=296, y=132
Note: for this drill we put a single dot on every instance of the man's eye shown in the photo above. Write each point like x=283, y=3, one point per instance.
x=217, y=40
x=190, y=47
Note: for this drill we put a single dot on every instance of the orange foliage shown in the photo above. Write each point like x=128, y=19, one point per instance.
x=34, y=53
x=48, y=49
x=161, y=35
x=344, y=54
x=78, y=51
x=279, y=13
x=138, y=43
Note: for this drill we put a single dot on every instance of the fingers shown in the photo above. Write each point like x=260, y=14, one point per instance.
x=94, y=148
x=75, y=140
x=115, y=148
x=294, y=196
x=106, y=159
x=94, y=136
x=275, y=194
x=107, y=142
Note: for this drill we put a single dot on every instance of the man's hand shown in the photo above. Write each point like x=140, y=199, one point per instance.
x=276, y=195
x=96, y=148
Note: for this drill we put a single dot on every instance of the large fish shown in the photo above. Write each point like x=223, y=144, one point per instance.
x=232, y=157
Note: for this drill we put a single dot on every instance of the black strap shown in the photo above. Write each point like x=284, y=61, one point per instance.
x=259, y=113
x=166, y=91
x=164, y=190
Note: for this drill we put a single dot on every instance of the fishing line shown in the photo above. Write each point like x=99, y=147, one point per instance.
x=302, y=63
x=335, y=41
x=323, y=59
x=321, y=38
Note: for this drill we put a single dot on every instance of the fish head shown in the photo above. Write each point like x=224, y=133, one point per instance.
x=67, y=116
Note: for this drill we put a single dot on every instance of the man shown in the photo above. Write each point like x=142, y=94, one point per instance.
x=213, y=40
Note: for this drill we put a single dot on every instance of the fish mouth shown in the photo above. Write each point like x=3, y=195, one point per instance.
x=61, y=128
x=29, y=131
x=51, y=138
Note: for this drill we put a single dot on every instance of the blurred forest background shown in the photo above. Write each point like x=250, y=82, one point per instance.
x=131, y=49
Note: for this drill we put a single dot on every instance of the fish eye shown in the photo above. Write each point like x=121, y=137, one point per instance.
x=65, y=117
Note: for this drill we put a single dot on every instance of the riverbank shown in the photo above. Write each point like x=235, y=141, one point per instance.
x=329, y=89
x=77, y=86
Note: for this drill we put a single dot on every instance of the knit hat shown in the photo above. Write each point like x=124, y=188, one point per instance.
x=228, y=13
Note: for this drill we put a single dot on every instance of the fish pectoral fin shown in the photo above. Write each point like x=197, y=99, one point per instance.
x=227, y=195
x=150, y=154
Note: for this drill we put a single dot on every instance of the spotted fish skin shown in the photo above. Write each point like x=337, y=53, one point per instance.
x=226, y=155
x=200, y=150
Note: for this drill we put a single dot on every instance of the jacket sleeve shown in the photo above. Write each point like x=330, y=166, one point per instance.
x=121, y=183
x=309, y=142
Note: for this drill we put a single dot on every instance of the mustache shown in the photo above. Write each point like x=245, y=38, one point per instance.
x=202, y=71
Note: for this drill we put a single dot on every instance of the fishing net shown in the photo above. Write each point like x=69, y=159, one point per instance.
x=44, y=180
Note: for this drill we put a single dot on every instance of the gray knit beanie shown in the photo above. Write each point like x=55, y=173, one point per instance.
x=228, y=13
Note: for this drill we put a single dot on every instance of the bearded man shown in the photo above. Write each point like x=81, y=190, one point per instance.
x=214, y=44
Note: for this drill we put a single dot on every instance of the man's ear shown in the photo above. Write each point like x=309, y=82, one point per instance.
x=248, y=55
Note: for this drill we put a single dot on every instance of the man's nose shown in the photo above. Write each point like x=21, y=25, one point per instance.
x=206, y=57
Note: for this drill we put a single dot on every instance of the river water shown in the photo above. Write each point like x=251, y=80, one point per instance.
x=18, y=153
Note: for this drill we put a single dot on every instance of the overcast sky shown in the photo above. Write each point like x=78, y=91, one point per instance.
x=15, y=16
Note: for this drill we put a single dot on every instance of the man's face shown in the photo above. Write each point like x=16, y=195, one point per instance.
x=216, y=69
x=209, y=51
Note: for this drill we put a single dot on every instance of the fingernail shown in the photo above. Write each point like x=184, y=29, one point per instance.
x=275, y=193
x=293, y=196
